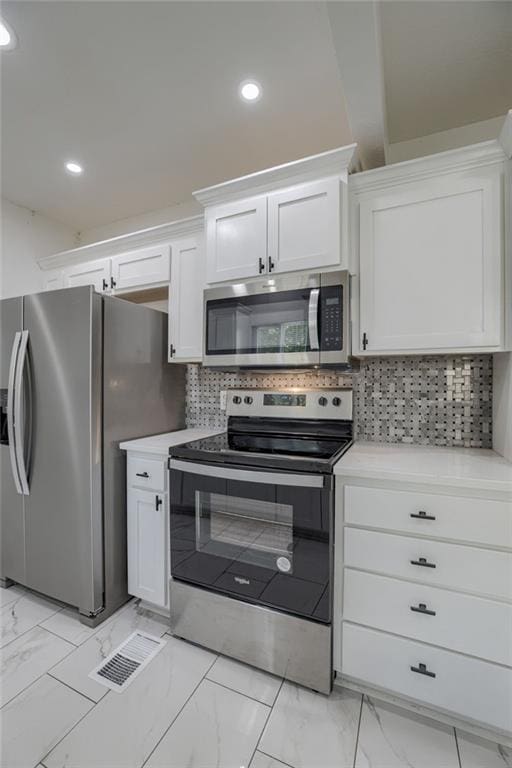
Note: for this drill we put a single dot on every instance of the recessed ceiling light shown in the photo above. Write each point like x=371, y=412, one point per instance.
x=7, y=37
x=250, y=90
x=74, y=168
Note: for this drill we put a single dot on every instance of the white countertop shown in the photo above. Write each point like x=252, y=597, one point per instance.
x=475, y=468
x=161, y=443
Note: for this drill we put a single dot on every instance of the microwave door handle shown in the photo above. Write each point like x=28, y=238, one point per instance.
x=314, y=297
x=19, y=423
x=10, y=412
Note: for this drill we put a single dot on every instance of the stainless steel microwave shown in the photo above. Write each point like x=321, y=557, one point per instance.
x=300, y=319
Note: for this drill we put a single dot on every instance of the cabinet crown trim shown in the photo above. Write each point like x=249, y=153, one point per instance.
x=335, y=162
x=114, y=246
x=421, y=168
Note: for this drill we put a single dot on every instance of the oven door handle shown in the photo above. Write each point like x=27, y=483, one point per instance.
x=248, y=476
x=314, y=298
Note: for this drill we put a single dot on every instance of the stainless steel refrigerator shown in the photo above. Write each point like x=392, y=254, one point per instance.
x=79, y=373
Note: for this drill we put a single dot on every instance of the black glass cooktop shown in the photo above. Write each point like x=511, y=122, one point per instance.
x=300, y=445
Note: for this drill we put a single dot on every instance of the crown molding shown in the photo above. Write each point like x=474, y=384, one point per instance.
x=505, y=138
x=335, y=162
x=163, y=233
x=422, y=168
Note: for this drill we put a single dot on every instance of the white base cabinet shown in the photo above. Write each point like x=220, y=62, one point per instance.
x=423, y=597
x=148, y=529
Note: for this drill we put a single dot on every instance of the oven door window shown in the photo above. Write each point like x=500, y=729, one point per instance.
x=266, y=543
x=252, y=531
x=257, y=324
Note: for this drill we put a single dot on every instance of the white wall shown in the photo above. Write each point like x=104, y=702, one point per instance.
x=25, y=237
x=142, y=221
x=444, y=140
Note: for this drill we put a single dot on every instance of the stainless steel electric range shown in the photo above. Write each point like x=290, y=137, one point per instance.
x=252, y=532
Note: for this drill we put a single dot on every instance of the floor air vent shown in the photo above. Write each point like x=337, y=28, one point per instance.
x=129, y=659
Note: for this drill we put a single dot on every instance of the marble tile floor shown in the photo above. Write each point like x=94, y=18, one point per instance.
x=191, y=708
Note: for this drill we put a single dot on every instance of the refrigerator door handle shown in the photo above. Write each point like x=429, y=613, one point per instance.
x=19, y=425
x=10, y=411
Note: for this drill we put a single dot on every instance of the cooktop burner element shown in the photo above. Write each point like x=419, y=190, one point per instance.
x=305, y=431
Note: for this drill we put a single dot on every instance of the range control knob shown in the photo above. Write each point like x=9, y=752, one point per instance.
x=322, y=401
x=237, y=400
x=248, y=400
x=336, y=401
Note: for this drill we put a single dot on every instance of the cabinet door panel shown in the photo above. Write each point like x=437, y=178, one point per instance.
x=146, y=266
x=236, y=239
x=147, y=546
x=53, y=280
x=186, y=300
x=304, y=226
x=95, y=273
x=430, y=262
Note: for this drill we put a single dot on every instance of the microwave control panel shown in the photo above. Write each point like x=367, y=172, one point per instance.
x=331, y=318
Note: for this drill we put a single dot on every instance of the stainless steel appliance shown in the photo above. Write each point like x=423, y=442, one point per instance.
x=289, y=320
x=81, y=373
x=251, y=514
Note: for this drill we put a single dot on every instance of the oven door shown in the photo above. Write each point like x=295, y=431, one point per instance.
x=263, y=537
x=269, y=322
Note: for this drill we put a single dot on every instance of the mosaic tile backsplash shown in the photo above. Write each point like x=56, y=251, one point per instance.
x=443, y=400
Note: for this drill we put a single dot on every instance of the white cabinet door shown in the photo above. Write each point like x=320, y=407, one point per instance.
x=236, y=239
x=147, y=266
x=96, y=273
x=304, y=226
x=147, y=546
x=431, y=264
x=53, y=280
x=186, y=300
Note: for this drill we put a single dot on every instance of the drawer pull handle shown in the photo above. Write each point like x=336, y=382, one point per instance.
x=422, y=608
x=422, y=515
x=421, y=669
x=158, y=502
x=142, y=474
x=423, y=562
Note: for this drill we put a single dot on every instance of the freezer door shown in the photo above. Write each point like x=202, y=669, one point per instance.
x=12, y=526
x=63, y=511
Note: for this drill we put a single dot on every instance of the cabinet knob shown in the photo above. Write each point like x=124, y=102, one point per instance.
x=421, y=669
x=423, y=562
x=142, y=474
x=158, y=502
x=422, y=515
x=422, y=608
x=261, y=265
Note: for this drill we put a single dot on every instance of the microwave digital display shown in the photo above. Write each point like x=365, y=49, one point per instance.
x=284, y=399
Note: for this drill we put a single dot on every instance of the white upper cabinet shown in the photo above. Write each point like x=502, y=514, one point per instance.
x=431, y=259
x=304, y=226
x=53, y=280
x=145, y=266
x=95, y=273
x=287, y=218
x=236, y=236
x=186, y=300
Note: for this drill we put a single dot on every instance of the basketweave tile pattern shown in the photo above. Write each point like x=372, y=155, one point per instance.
x=428, y=400
x=441, y=400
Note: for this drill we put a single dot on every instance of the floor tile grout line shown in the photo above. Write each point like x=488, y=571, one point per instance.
x=234, y=690
x=46, y=672
x=262, y=752
x=457, y=746
x=266, y=723
x=55, y=634
x=95, y=704
x=358, y=730
x=179, y=713
x=83, y=695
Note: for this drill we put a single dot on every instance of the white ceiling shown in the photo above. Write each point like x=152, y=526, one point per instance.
x=446, y=64
x=144, y=94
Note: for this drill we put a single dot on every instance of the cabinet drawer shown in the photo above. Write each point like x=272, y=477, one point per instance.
x=147, y=473
x=480, y=521
x=474, y=570
x=467, y=687
x=456, y=621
